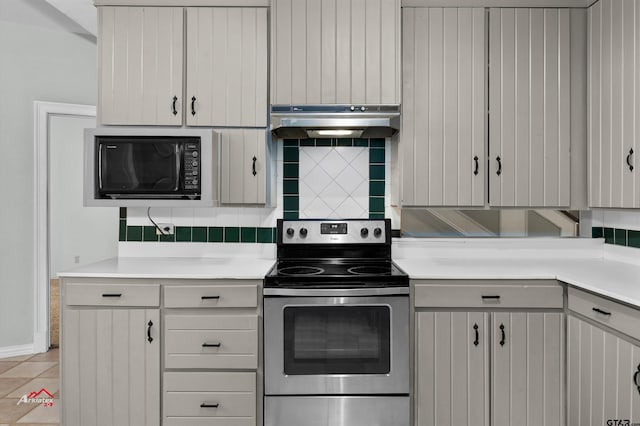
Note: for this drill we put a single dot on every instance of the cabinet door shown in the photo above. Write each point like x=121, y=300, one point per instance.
x=227, y=66
x=110, y=369
x=529, y=107
x=243, y=166
x=335, y=52
x=452, y=375
x=527, y=369
x=601, y=373
x=140, y=65
x=442, y=146
x=614, y=103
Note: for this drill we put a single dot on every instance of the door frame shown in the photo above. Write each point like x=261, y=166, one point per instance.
x=43, y=112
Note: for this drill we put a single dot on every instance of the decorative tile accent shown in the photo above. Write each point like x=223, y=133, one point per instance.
x=216, y=234
x=232, y=235
x=331, y=182
x=134, y=233
x=327, y=176
x=149, y=234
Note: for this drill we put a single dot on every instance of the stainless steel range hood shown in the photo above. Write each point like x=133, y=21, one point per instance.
x=334, y=121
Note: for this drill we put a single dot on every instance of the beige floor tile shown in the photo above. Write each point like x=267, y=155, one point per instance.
x=28, y=369
x=53, y=355
x=9, y=384
x=20, y=358
x=42, y=414
x=36, y=424
x=51, y=385
x=52, y=372
x=10, y=412
x=4, y=366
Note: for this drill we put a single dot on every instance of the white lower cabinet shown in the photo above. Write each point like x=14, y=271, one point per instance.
x=213, y=399
x=110, y=367
x=603, y=377
x=482, y=368
x=452, y=374
x=211, y=354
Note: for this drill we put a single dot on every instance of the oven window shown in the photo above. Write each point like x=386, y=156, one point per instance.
x=337, y=340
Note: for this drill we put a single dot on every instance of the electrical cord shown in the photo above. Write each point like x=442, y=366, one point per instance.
x=154, y=223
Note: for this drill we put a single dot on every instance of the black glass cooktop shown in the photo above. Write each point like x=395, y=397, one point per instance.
x=335, y=273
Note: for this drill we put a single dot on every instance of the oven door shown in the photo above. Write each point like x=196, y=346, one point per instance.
x=336, y=345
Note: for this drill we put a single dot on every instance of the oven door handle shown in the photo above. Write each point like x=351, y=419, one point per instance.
x=372, y=291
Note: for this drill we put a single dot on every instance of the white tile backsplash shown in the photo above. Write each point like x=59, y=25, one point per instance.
x=334, y=182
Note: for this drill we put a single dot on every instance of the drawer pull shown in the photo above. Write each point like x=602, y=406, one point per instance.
x=636, y=375
x=112, y=295
x=149, y=338
x=211, y=345
x=504, y=337
x=477, y=341
x=205, y=405
x=600, y=311
x=490, y=297
x=209, y=297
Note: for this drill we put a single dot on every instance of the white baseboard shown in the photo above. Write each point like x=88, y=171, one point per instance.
x=10, y=351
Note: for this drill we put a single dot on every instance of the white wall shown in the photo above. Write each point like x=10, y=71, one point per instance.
x=621, y=219
x=78, y=235
x=37, y=64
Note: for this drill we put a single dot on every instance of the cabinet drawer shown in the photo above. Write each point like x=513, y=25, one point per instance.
x=211, y=341
x=479, y=295
x=243, y=294
x=615, y=315
x=112, y=294
x=233, y=393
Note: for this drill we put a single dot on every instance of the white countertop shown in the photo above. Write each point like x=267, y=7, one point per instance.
x=587, y=264
x=584, y=263
x=174, y=268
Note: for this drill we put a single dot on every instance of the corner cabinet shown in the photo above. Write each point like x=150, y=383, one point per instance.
x=603, y=363
x=475, y=360
x=110, y=354
x=335, y=52
x=142, y=52
x=614, y=103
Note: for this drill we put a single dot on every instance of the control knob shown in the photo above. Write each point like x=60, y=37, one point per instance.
x=303, y=232
x=290, y=232
x=364, y=232
x=377, y=232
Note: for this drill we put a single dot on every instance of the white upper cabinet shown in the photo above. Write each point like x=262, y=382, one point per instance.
x=442, y=140
x=142, y=57
x=140, y=53
x=335, y=52
x=243, y=166
x=227, y=67
x=614, y=103
x=529, y=107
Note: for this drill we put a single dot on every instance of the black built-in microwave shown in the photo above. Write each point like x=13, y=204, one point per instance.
x=148, y=167
x=151, y=167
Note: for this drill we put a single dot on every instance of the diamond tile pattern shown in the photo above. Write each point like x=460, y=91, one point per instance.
x=334, y=182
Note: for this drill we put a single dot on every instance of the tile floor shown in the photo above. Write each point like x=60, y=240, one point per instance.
x=25, y=374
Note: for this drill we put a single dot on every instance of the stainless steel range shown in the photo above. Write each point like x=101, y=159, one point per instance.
x=336, y=327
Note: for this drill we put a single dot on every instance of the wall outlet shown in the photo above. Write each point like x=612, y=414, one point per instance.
x=167, y=229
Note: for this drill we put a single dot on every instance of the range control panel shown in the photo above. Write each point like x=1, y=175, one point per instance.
x=352, y=231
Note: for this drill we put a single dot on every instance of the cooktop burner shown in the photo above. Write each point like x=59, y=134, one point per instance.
x=300, y=270
x=369, y=270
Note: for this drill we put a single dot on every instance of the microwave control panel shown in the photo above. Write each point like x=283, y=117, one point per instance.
x=192, y=166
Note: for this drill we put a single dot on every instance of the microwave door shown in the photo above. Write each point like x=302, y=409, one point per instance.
x=117, y=169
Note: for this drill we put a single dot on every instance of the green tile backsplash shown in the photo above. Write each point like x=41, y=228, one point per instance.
x=291, y=200
x=617, y=236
